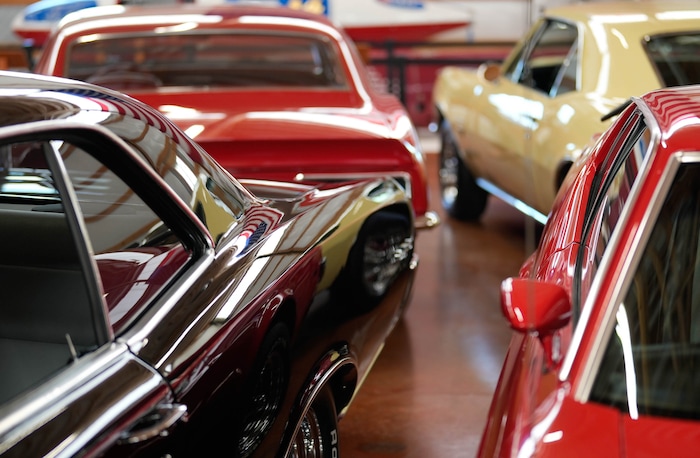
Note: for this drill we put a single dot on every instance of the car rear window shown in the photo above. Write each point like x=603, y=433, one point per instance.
x=204, y=60
x=676, y=58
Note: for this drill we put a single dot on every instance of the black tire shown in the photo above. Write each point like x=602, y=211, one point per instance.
x=383, y=249
x=317, y=437
x=461, y=197
x=268, y=384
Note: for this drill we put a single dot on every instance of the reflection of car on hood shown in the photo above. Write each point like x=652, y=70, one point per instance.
x=269, y=92
x=152, y=304
x=513, y=130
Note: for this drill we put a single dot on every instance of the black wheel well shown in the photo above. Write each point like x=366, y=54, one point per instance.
x=286, y=314
x=398, y=209
x=439, y=116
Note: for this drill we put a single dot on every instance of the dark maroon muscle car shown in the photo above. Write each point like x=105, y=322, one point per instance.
x=153, y=305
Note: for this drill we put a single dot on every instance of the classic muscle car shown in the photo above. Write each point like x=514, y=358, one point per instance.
x=270, y=92
x=605, y=313
x=514, y=129
x=153, y=305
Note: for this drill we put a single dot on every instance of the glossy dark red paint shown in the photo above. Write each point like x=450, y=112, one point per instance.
x=179, y=310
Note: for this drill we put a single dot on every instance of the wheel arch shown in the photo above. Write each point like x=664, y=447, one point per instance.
x=338, y=370
x=284, y=312
x=445, y=128
x=398, y=208
x=440, y=121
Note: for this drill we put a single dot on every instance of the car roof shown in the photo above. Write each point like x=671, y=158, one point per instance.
x=628, y=11
x=37, y=98
x=192, y=12
x=676, y=111
x=613, y=39
x=58, y=98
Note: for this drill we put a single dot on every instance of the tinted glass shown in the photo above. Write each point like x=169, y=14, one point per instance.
x=209, y=192
x=650, y=363
x=203, y=60
x=136, y=253
x=46, y=314
x=676, y=58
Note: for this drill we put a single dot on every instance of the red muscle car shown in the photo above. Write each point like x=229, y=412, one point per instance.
x=605, y=313
x=270, y=92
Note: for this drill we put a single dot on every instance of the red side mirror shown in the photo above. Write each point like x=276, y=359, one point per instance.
x=535, y=306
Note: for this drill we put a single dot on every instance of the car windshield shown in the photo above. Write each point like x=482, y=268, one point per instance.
x=203, y=60
x=676, y=58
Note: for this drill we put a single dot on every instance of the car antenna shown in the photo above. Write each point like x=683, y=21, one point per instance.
x=617, y=110
x=71, y=347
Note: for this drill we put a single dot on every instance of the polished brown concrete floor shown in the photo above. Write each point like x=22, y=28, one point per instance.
x=429, y=392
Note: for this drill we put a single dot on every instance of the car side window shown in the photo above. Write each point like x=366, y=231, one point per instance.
x=135, y=251
x=650, y=360
x=47, y=315
x=674, y=56
x=549, y=63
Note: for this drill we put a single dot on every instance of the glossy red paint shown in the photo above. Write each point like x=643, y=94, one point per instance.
x=401, y=33
x=544, y=406
x=301, y=133
x=551, y=311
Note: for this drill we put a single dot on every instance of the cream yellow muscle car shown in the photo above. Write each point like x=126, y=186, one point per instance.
x=514, y=129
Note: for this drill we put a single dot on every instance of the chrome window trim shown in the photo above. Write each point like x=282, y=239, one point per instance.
x=138, y=335
x=39, y=406
x=58, y=126
x=580, y=392
x=154, y=314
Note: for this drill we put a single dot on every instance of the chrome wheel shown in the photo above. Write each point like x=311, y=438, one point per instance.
x=317, y=434
x=385, y=255
x=382, y=251
x=307, y=442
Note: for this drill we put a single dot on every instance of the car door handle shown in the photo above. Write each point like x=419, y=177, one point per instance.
x=156, y=423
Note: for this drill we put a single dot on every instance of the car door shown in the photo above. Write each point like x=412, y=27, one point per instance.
x=649, y=370
x=70, y=387
x=637, y=290
x=546, y=70
x=518, y=110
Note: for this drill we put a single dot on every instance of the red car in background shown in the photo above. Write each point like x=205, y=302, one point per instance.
x=270, y=92
x=606, y=312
